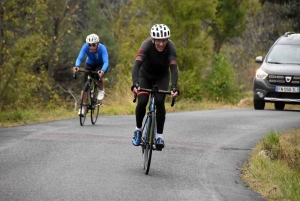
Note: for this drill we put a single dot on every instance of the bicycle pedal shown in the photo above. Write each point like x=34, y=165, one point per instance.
x=159, y=148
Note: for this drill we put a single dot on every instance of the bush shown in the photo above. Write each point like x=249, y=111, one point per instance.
x=190, y=85
x=220, y=83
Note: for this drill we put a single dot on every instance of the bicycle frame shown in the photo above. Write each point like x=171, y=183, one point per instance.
x=90, y=87
x=149, y=128
x=88, y=100
x=150, y=131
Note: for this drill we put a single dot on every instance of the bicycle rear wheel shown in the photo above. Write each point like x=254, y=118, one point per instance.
x=149, y=143
x=83, y=111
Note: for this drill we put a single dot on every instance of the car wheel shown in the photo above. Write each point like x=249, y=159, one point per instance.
x=279, y=105
x=259, y=104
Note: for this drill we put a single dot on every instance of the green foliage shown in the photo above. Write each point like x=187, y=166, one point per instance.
x=184, y=18
x=289, y=10
x=184, y=21
x=40, y=40
x=17, y=75
x=271, y=144
x=229, y=21
x=37, y=46
x=274, y=179
x=15, y=116
x=220, y=83
x=100, y=19
x=130, y=33
x=60, y=30
x=291, y=187
x=189, y=85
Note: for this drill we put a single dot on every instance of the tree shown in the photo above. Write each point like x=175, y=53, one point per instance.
x=61, y=30
x=260, y=33
x=21, y=25
x=289, y=10
x=41, y=39
x=184, y=20
x=228, y=23
x=101, y=17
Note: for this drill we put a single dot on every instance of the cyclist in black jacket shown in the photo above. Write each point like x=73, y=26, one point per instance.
x=155, y=60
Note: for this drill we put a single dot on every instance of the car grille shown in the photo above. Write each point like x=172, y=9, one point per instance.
x=283, y=80
x=283, y=95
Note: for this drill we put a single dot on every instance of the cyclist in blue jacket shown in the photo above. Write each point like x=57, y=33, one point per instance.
x=96, y=60
x=155, y=60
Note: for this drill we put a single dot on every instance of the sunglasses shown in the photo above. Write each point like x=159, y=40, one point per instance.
x=92, y=44
x=161, y=41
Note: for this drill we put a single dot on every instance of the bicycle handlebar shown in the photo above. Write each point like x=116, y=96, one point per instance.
x=86, y=71
x=156, y=91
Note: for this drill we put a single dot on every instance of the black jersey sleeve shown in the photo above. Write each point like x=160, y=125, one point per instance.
x=173, y=63
x=135, y=71
x=172, y=52
x=140, y=59
x=174, y=74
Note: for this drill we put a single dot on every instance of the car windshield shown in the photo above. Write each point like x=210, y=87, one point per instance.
x=284, y=54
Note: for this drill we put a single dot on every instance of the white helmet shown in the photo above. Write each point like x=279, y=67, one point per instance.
x=93, y=38
x=160, y=31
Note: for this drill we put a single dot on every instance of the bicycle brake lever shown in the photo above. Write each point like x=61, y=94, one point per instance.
x=134, y=99
x=74, y=76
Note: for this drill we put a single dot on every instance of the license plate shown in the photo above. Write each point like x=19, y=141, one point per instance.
x=287, y=89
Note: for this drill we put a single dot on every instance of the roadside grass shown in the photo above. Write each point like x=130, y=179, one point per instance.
x=30, y=116
x=273, y=169
x=111, y=105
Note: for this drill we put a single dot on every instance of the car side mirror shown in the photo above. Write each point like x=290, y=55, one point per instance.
x=259, y=59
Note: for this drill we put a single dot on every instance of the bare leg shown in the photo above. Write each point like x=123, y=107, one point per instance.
x=84, y=97
x=101, y=85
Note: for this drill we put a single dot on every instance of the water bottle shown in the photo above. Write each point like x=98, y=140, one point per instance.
x=92, y=93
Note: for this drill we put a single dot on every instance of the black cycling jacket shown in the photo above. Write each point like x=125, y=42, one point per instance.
x=156, y=64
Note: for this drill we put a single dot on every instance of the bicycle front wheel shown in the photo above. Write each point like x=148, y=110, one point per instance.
x=149, y=143
x=95, y=111
x=83, y=110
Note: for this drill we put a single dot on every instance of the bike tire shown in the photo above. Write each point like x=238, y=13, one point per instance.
x=82, y=106
x=95, y=104
x=95, y=111
x=145, y=147
x=149, y=144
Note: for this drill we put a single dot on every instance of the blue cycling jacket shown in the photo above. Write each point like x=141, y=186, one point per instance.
x=100, y=57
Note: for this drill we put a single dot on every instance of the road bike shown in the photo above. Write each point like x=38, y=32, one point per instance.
x=149, y=127
x=89, y=101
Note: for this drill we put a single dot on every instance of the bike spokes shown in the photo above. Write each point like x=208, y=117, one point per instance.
x=83, y=111
x=148, y=144
x=95, y=111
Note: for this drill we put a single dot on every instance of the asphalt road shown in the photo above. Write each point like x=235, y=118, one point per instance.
x=202, y=160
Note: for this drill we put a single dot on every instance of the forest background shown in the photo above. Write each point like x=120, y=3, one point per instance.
x=216, y=41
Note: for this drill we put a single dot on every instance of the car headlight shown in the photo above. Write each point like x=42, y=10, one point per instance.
x=260, y=74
